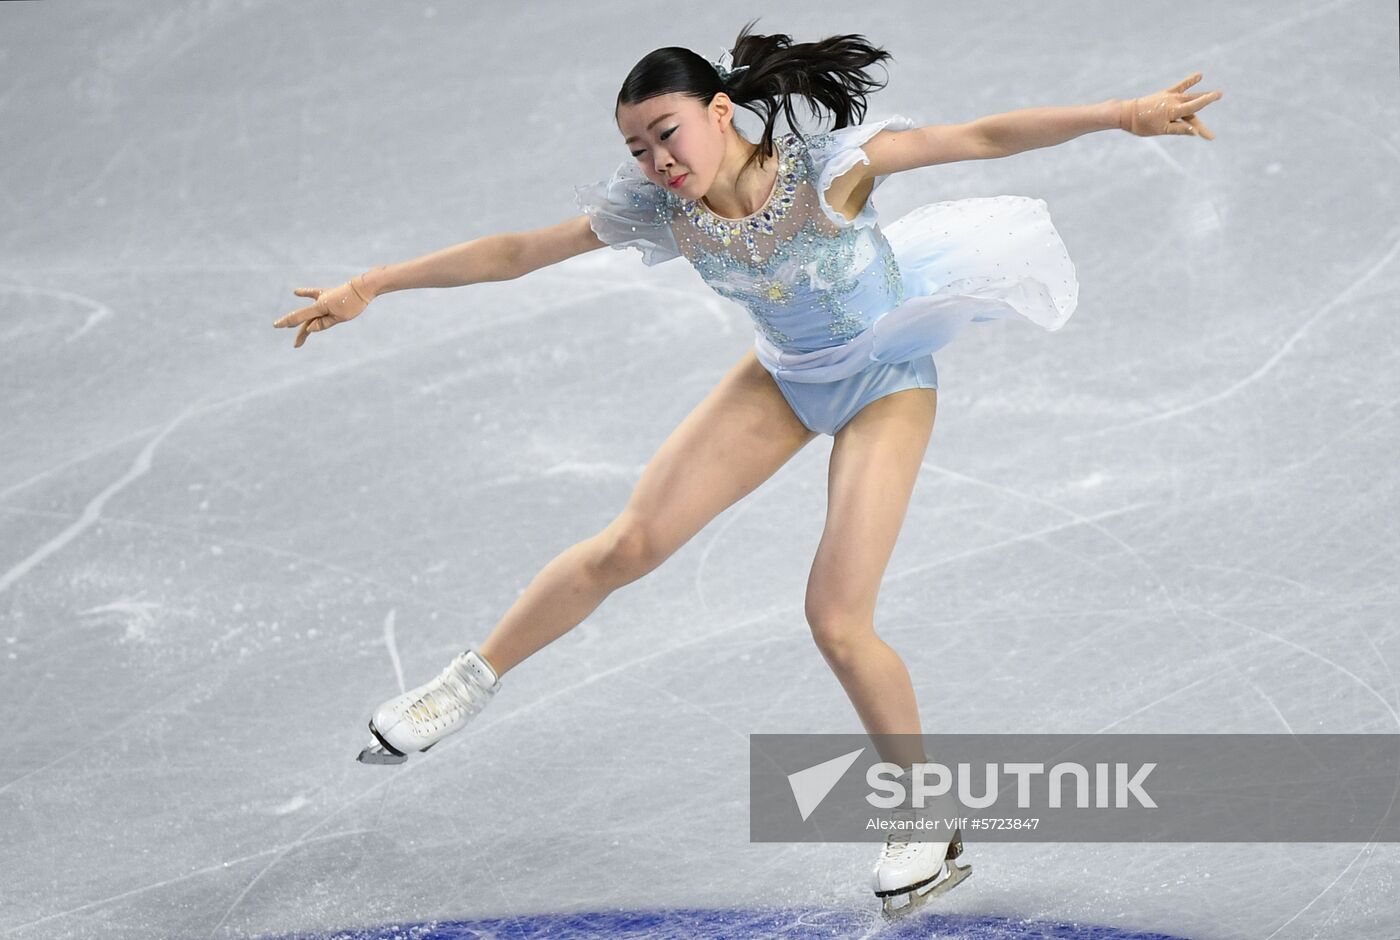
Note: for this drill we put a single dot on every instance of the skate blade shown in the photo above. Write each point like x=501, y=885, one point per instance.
x=899, y=906
x=380, y=751
x=375, y=753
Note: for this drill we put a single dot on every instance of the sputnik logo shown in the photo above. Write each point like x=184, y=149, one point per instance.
x=811, y=786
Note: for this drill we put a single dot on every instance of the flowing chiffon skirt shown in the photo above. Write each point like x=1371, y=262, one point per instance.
x=962, y=261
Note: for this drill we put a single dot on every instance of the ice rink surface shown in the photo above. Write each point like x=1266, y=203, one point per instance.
x=1180, y=513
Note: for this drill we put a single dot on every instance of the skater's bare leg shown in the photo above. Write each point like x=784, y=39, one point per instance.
x=732, y=441
x=874, y=464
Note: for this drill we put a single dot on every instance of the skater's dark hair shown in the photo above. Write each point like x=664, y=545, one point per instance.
x=830, y=73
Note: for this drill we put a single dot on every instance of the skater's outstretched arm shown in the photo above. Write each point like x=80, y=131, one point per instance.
x=499, y=257
x=1171, y=111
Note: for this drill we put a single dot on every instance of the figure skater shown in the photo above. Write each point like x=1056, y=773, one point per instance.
x=847, y=314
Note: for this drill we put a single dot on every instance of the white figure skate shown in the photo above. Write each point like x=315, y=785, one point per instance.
x=910, y=874
x=421, y=717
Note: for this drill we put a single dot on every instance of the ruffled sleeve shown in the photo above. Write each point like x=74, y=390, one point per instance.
x=835, y=152
x=630, y=211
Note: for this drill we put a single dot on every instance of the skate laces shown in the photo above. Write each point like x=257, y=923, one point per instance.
x=897, y=845
x=444, y=700
x=900, y=842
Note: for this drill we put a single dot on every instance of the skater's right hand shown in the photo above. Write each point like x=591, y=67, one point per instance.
x=333, y=306
x=1171, y=111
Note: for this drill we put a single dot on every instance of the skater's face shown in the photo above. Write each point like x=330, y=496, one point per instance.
x=674, y=136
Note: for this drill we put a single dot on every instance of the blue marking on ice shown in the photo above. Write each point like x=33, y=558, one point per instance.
x=779, y=923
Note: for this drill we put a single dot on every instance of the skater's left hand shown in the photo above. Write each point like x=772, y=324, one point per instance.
x=1171, y=111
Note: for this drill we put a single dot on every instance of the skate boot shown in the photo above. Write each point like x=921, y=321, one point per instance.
x=421, y=717
x=909, y=874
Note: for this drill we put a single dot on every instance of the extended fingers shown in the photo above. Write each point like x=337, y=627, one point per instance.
x=314, y=325
x=1199, y=127
x=1189, y=124
x=1200, y=101
x=297, y=317
x=1184, y=114
x=1186, y=83
x=1188, y=109
x=291, y=319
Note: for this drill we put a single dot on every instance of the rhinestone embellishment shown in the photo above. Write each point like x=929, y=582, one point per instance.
x=791, y=171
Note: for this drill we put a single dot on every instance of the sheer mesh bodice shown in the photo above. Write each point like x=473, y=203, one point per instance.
x=808, y=277
x=791, y=259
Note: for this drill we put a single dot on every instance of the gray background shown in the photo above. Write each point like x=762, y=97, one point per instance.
x=217, y=554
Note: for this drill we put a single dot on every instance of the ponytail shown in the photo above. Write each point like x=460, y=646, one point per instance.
x=830, y=73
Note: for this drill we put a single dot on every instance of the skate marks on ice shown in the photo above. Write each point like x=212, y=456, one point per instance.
x=700, y=924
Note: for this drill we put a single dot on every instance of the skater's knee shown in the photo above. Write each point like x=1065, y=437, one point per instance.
x=841, y=650
x=626, y=550
x=839, y=635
